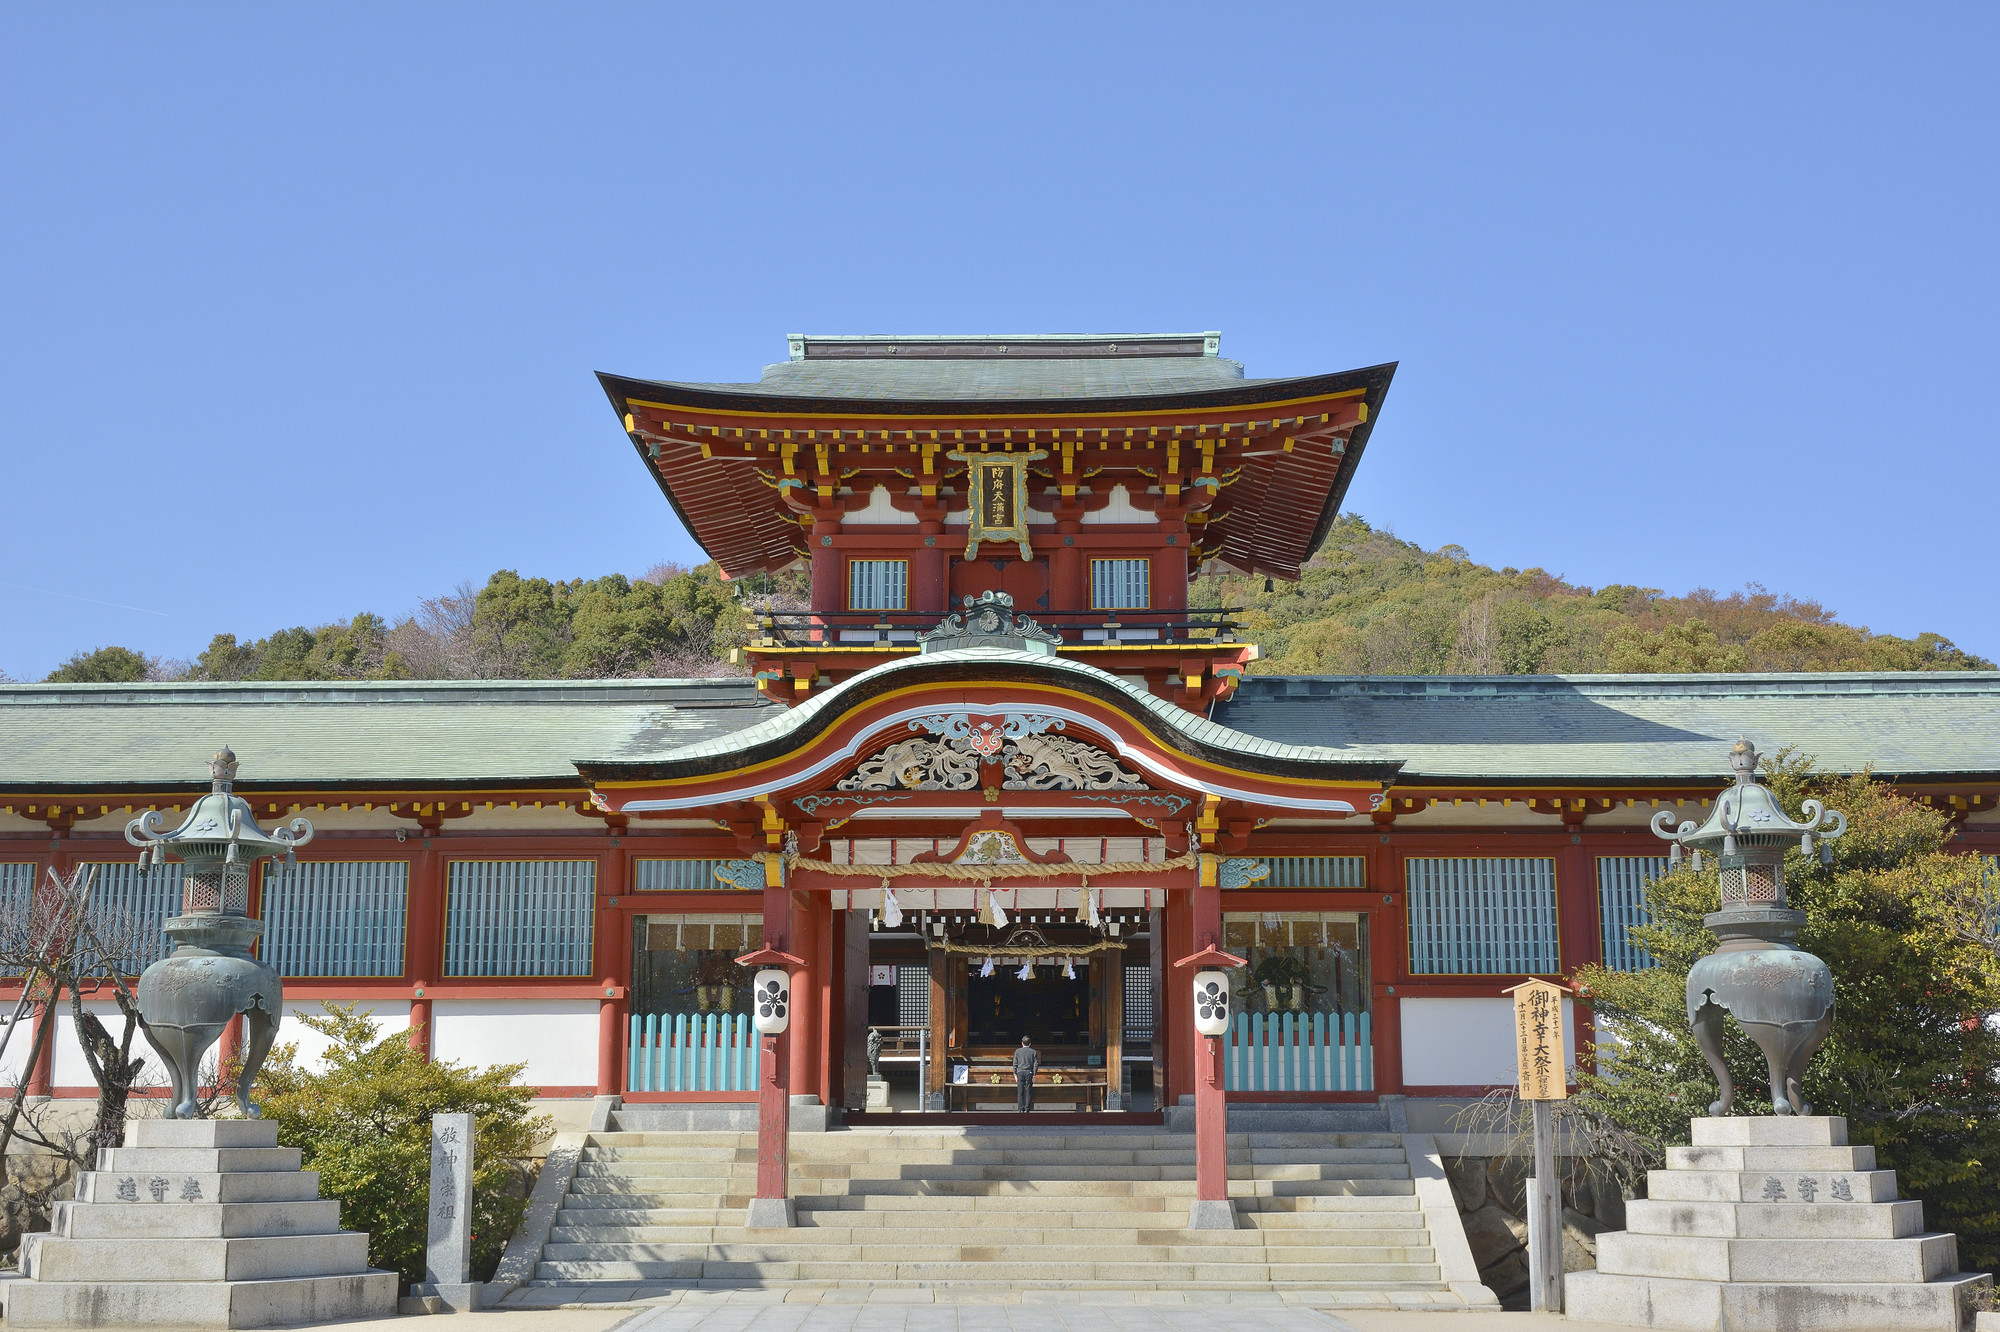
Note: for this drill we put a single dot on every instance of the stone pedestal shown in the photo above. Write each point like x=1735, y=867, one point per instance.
x=878, y=1094
x=199, y=1223
x=1774, y=1222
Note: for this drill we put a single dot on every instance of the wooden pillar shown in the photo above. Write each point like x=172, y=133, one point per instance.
x=854, y=993
x=1114, y=1024
x=1580, y=933
x=41, y=1069
x=1068, y=587
x=1388, y=963
x=829, y=571
x=803, y=1038
x=423, y=955
x=1176, y=1014
x=934, y=1084
x=1211, y=1109
x=930, y=571
x=612, y=952
x=774, y=1090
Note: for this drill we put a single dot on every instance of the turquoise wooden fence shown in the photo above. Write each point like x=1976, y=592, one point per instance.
x=1299, y=1052
x=670, y=1052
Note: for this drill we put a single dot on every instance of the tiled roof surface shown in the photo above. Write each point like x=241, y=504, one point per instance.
x=993, y=380
x=1444, y=728
x=1604, y=727
x=160, y=736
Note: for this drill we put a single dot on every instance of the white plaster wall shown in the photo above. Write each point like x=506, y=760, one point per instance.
x=387, y=1014
x=70, y=1069
x=14, y=1061
x=1461, y=1042
x=556, y=1037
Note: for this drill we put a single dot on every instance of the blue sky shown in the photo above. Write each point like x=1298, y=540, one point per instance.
x=299, y=306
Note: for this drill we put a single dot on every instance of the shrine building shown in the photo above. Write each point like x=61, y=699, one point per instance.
x=999, y=779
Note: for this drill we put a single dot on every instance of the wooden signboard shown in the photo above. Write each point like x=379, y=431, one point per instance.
x=1538, y=1040
x=997, y=498
x=1539, y=1045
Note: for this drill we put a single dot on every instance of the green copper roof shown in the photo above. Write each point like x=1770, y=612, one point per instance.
x=1184, y=730
x=1642, y=727
x=391, y=734
x=1582, y=729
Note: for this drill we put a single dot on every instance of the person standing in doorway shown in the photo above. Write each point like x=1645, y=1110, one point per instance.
x=1026, y=1061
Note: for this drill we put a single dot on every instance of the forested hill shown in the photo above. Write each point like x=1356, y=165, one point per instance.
x=1369, y=604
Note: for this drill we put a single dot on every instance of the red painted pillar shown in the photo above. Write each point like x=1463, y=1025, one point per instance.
x=423, y=957
x=828, y=570
x=607, y=1038
x=774, y=1091
x=1211, y=1110
x=801, y=1038
x=1580, y=935
x=41, y=1080
x=930, y=586
x=228, y=1049
x=612, y=950
x=1388, y=959
x=420, y=1026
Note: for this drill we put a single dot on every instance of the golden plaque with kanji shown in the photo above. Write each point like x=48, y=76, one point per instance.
x=997, y=498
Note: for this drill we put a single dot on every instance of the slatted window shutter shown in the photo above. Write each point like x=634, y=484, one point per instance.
x=1621, y=904
x=145, y=899
x=689, y=876
x=519, y=917
x=880, y=585
x=1138, y=1006
x=913, y=996
x=336, y=917
x=1482, y=915
x=1315, y=872
x=1119, y=584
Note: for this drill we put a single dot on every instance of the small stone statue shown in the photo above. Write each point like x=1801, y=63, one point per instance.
x=875, y=1052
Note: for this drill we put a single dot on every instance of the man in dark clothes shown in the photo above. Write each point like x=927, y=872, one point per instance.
x=1026, y=1061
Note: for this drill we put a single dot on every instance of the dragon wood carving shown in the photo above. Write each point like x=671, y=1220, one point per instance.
x=1032, y=759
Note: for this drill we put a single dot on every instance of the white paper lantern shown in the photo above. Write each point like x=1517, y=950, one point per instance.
x=771, y=1001
x=1211, y=1002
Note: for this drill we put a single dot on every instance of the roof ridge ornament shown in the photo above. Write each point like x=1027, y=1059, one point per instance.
x=988, y=621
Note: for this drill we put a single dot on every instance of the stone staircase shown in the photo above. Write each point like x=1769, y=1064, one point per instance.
x=995, y=1209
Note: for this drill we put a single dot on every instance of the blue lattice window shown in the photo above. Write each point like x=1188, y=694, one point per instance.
x=1621, y=904
x=519, y=917
x=336, y=917
x=1482, y=915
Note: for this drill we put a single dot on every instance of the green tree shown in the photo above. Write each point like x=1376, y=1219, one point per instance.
x=1678, y=648
x=1910, y=1062
x=106, y=665
x=355, y=649
x=364, y=1123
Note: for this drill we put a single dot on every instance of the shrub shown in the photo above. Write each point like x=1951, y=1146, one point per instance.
x=364, y=1122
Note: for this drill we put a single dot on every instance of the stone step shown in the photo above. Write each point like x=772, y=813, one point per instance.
x=792, y=1250
x=1917, y=1259
x=47, y=1257
x=953, y=1290
x=1771, y=1158
x=83, y=1220
x=1139, y=1274
x=831, y=1232
x=946, y=1154
x=948, y=1209
x=1768, y=1131
x=105, y=1186
x=644, y=1173
x=129, y=1304
x=1652, y=1216
x=147, y=1161
x=1861, y=1186
x=1666, y=1302
x=201, y=1133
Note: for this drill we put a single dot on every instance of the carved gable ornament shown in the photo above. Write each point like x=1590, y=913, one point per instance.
x=947, y=758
